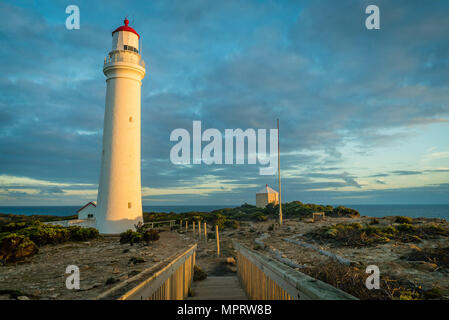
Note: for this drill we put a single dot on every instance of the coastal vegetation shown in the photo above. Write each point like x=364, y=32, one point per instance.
x=22, y=239
x=6, y=218
x=230, y=217
x=438, y=256
x=351, y=279
x=141, y=234
x=359, y=235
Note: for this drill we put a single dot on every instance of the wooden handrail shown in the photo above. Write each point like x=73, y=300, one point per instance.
x=170, y=283
x=264, y=278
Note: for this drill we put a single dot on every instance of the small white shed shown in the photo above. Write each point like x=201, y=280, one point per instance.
x=87, y=211
x=266, y=196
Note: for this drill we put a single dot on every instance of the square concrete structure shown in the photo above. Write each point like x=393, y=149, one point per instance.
x=265, y=196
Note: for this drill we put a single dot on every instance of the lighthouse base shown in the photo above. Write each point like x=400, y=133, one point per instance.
x=117, y=226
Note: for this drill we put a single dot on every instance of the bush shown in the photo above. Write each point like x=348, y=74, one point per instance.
x=13, y=226
x=130, y=237
x=341, y=211
x=198, y=274
x=374, y=221
x=401, y=219
x=150, y=235
x=82, y=234
x=16, y=247
x=42, y=234
x=232, y=224
x=406, y=227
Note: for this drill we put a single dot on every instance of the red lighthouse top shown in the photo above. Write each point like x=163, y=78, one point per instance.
x=126, y=28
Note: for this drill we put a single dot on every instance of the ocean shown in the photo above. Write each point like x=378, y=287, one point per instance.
x=414, y=211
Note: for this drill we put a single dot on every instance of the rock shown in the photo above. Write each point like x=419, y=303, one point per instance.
x=115, y=270
x=23, y=298
x=230, y=260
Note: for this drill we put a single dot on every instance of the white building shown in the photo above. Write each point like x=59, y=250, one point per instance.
x=266, y=196
x=119, y=202
x=87, y=211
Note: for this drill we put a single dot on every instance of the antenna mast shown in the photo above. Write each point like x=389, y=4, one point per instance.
x=279, y=174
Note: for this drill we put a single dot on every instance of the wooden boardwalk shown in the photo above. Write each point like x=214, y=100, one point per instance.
x=218, y=288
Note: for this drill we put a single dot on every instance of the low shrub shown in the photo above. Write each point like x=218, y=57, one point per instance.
x=406, y=227
x=42, y=234
x=341, y=211
x=439, y=256
x=355, y=234
x=352, y=280
x=16, y=247
x=198, y=274
x=401, y=219
x=150, y=235
x=130, y=237
x=82, y=234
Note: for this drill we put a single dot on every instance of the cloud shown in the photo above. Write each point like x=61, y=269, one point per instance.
x=231, y=64
x=406, y=173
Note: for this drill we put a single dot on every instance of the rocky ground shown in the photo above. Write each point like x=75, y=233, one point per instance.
x=103, y=263
x=42, y=276
x=389, y=257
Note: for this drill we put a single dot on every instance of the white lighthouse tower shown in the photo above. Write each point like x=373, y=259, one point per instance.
x=119, y=203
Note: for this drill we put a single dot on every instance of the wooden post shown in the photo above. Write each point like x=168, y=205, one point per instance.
x=187, y=226
x=199, y=229
x=279, y=174
x=193, y=228
x=205, y=232
x=218, y=240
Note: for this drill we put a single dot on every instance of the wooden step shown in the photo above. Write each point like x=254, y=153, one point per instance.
x=218, y=288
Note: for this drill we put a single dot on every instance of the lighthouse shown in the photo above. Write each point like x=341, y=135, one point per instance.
x=119, y=202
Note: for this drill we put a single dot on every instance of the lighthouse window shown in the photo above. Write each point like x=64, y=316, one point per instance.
x=130, y=119
x=130, y=48
x=129, y=205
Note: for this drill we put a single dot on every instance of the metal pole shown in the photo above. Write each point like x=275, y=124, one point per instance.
x=218, y=240
x=279, y=174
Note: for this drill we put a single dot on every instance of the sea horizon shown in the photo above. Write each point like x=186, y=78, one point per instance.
x=374, y=210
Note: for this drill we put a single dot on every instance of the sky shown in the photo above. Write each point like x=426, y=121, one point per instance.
x=364, y=114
